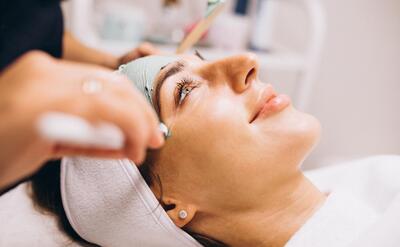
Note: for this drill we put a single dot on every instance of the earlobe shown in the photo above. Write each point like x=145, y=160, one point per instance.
x=180, y=213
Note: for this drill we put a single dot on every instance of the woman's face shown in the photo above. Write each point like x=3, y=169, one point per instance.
x=234, y=139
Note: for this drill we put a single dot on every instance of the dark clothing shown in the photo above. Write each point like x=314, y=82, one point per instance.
x=29, y=25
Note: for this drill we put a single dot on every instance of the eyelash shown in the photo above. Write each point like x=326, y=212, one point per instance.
x=183, y=89
x=197, y=53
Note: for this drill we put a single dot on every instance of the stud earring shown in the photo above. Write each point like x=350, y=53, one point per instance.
x=182, y=214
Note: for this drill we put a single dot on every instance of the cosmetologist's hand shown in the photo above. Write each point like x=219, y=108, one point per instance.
x=144, y=49
x=37, y=83
x=75, y=50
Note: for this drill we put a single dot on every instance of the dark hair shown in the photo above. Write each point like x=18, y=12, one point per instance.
x=46, y=195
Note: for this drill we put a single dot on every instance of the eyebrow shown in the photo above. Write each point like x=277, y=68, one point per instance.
x=197, y=53
x=176, y=68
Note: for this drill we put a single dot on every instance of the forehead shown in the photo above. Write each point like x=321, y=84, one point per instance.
x=185, y=62
x=188, y=60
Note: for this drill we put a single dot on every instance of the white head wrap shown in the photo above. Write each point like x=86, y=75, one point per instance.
x=108, y=202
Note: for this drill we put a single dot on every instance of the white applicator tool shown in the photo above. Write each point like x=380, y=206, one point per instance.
x=75, y=131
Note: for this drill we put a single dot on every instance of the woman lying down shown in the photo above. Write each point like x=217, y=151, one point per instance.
x=228, y=175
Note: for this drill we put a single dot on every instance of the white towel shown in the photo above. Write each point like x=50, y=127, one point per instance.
x=362, y=209
x=341, y=219
x=108, y=203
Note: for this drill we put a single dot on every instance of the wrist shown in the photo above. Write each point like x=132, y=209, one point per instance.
x=110, y=61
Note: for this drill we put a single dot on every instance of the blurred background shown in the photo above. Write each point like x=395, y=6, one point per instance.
x=338, y=60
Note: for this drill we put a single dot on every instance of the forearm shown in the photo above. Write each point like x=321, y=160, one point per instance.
x=74, y=50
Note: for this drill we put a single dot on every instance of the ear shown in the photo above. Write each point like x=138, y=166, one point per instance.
x=174, y=207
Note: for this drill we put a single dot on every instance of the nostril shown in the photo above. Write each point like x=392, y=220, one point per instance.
x=250, y=76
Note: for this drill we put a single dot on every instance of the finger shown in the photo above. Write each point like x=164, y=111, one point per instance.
x=142, y=50
x=135, y=54
x=111, y=107
x=121, y=104
x=131, y=100
x=147, y=49
x=70, y=150
x=156, y=138
x=131, y=119
x=145, y=133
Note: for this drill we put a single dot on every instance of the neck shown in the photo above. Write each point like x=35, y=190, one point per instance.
x=285, y=211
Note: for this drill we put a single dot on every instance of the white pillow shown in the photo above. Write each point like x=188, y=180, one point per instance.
x=22, y=225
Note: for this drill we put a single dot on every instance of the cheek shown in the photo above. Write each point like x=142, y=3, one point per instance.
x=289, y=124
x=288, y=136
x=217, y=125
x=216, y=111
x=224, y=112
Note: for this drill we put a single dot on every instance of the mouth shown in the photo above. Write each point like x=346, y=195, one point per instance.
x=269, y=102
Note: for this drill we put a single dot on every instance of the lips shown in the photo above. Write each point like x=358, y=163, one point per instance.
x=269, y=102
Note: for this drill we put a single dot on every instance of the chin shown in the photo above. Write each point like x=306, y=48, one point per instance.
x=294, y=129
x=312, y=131
x=306, y=131
x=302, y=131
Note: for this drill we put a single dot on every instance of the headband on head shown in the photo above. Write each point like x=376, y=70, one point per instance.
x=143, y=72
x=108, y=202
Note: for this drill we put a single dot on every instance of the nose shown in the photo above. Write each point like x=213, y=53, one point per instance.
x=237, y=71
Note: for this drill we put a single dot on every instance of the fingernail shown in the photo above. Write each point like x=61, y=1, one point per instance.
x=277, y=100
